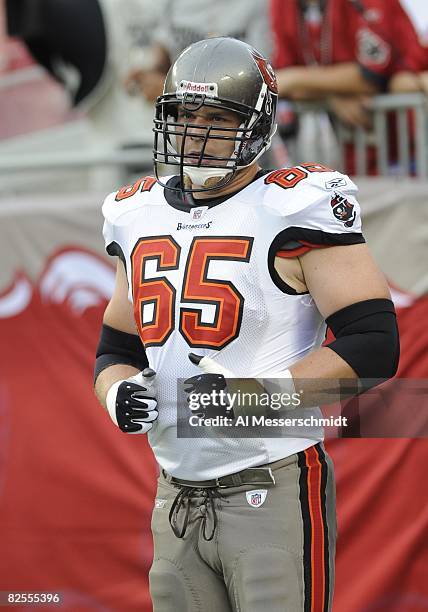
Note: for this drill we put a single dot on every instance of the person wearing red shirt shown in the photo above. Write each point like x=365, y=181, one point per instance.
x=343, y=50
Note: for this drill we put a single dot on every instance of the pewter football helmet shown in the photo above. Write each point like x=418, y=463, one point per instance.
x=223, y=73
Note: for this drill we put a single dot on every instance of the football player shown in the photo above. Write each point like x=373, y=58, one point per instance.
x=232, y=269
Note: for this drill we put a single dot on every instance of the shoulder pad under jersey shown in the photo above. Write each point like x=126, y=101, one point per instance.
x=120, y=203
x=314, y=197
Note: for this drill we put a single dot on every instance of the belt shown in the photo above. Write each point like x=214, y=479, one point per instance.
x=253, y=476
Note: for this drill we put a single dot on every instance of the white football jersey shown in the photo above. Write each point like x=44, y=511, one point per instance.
x=202, y=279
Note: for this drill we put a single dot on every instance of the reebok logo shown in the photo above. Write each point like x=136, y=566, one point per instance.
x=193, y=226
x=336, y=182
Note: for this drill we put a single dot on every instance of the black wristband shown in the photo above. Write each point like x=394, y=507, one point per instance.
x=118, y=347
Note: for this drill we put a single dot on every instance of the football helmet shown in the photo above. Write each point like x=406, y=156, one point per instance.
x=222, y=73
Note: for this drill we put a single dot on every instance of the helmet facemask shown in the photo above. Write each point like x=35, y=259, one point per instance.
x=202, y=172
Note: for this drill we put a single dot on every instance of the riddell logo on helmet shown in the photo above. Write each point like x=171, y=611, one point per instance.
x=191, y=87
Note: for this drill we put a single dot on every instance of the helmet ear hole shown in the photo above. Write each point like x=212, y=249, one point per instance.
x=259, y=141
x=250, y=150
x=171, y=110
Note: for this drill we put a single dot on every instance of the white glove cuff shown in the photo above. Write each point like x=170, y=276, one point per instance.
x=111, y=401
x=209, y=366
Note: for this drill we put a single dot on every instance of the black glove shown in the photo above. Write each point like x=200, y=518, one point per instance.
x=207, y=384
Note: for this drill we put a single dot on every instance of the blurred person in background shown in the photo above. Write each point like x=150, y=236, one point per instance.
x=407, y=81
x=187, y=21
x=89, y=46
x=63, y=35
x=130, y=26
x=340, y=52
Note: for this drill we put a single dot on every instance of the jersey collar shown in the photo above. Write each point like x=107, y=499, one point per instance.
x=175, y=198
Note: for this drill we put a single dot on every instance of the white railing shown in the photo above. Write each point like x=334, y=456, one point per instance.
x=70, y=171
x=411, y=152
x=137, y=157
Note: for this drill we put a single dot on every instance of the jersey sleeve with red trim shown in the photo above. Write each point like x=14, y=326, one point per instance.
x=118, y=210
x=121, y=210
x=117, y=216
x=321, y=210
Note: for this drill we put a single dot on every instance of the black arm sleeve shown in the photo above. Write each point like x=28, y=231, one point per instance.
x=367, y=337
x=118, y=347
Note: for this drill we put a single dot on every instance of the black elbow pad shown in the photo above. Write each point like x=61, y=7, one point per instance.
x=118, y=347
x=367, y=337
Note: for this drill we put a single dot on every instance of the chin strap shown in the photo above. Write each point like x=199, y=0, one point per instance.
x=201, y=177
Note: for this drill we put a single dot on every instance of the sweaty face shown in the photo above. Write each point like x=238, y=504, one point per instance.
x=199, y=121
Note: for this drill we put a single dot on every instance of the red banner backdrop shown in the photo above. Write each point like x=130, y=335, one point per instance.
x=382, y=554
x=76, y=494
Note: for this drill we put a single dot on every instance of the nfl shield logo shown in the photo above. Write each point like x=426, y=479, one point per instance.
x=256, y=498
x=198, y=213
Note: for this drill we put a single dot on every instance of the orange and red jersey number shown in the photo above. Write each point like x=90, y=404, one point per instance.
x=143, y=184
x=197, y=288
x=287, y=178
x=157, y=292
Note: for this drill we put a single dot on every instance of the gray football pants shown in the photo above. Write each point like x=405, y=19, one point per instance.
x=273, y=557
